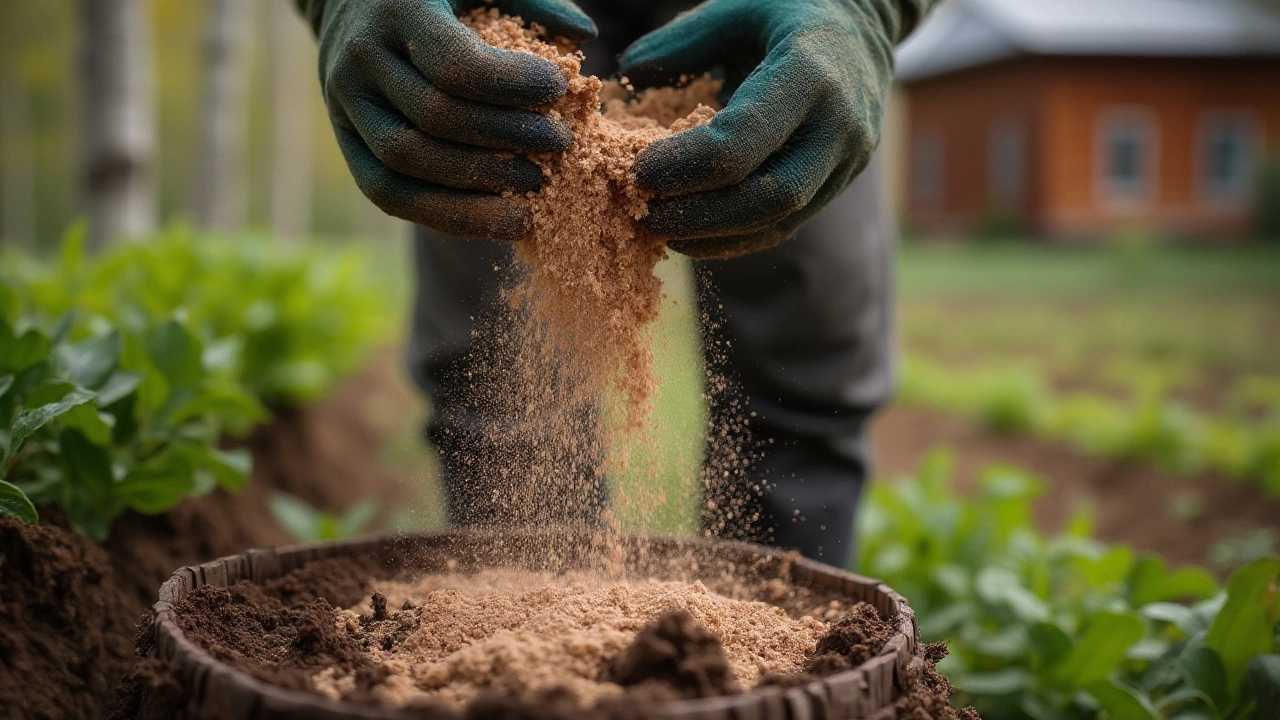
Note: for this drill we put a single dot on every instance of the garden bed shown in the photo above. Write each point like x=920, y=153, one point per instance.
x=1132, y=501
x=474, y=624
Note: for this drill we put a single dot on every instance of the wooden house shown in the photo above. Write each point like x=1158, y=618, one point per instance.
x=1090, y=118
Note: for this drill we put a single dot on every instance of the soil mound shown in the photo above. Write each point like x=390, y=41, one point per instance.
x=65, y=624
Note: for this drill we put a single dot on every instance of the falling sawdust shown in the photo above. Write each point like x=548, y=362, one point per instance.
x=563, y=382
x=515, y=631
x=590, y=261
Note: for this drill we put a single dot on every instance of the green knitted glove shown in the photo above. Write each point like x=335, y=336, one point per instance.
x=428, y=116
x=809, y=81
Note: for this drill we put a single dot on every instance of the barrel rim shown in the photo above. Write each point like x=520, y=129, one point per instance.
x=862, y=692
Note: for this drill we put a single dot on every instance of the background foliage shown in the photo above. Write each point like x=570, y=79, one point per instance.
x=121, y=374
x=1067, y=628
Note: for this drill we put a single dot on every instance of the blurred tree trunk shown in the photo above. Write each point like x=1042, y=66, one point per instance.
x=17, y=176
x=118, y=180
x=292, y=87
x=221, y=183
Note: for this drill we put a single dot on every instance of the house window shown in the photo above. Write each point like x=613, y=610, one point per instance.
x=1127, y=156
x=1006, y=162
x=928, y=171
x=1227, y=148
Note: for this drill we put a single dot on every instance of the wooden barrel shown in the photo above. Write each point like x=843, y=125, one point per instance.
x=218, y=691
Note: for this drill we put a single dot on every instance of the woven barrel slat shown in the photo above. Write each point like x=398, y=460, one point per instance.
x=220, y=692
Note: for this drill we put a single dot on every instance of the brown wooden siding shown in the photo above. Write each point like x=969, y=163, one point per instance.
x=1063, y=98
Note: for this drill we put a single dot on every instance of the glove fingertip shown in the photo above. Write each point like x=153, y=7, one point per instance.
x=656, y=167
x=574, y=26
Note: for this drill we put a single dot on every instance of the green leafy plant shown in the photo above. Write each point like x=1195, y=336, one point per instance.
x=307, y=524
x=1066, y=628
x=287, y=324
x=96, y=419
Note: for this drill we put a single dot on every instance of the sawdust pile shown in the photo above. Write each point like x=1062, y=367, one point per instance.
x=515, y=631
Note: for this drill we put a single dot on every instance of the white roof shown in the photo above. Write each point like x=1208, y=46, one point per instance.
x=965, y=33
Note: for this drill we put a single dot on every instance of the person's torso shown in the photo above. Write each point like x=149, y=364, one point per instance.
x=621, y=22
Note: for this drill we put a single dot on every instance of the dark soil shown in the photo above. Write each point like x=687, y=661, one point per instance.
x=68, y=608
x=852, y=640
x=928, y=694
x=65, y=624
x=676, y=652
x=283, y=631
x=1130, y=500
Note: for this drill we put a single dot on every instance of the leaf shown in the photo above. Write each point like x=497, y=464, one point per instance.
x=1203, y=670
x=1099, y=653
x=86, y=485
x=6, y=382
x=1050, y=642
x=89, y=363
x=14, y=503
x=1000, y=682
x=1180, y=616
x=1151, y=582
x=50, y=391
x=295, y=517
x=20, y=352
x=158, y=484
x=71, y=256
x=153, y=389
x=63, y=327
x=226, y=404
x=357, y=518
x=1002, y=587
x=1189, y=583
x=1122, y=702
x=1264, y=679
x=117, y=386
x=96, y=426
x=1245, y=627
x=230, y=468
x=29, y=421
x=176, y=353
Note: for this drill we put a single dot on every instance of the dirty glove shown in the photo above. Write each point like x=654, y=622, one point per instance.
x=809, y=80
x=430, y=118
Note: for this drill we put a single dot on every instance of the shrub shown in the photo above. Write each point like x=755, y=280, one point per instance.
x=96, y=419
x=1067, y=628
x=286, y=324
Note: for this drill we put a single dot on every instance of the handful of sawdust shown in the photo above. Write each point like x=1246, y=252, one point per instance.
x=515, y=631
x=590, y=262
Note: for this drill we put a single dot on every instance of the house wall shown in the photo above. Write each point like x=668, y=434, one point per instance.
x=1176, y=95
x=1062, y=101
x=956, y=112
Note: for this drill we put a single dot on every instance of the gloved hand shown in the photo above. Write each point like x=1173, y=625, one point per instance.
x=811, y=77
x=428, y=116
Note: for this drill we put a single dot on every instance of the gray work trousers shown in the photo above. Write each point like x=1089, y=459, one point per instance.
x=808, y=326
